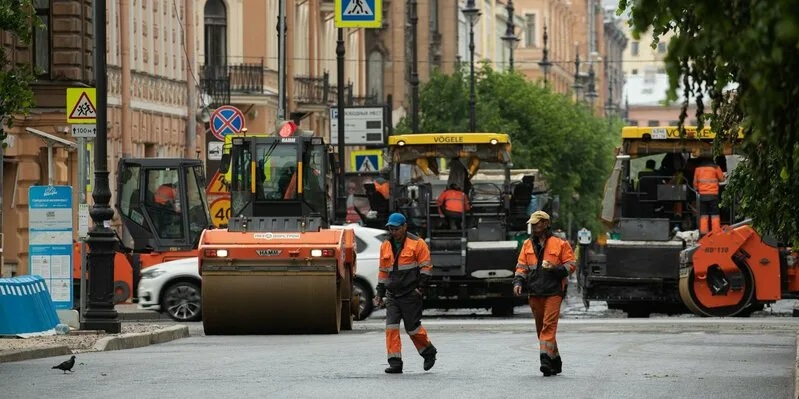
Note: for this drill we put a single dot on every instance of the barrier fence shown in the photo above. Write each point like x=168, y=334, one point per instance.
x=25, y=306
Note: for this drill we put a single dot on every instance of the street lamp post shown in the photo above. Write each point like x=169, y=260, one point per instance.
x=578, y=87
x=472, y=14
x=544, y=64
x=510, y=33
x=100, y=313
x=592, y=94
x=414, y=71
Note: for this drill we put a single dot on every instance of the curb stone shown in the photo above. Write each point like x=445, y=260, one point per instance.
x=138, y=340
x=34, y=353
x=796, y=370
x=122, y=341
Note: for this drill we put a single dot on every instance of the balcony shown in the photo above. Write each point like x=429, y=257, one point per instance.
x=314, y=90
x=221, y=81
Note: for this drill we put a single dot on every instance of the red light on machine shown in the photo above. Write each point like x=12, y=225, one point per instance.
x=288, y=129
x=326, y=253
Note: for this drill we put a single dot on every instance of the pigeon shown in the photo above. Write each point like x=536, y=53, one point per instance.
x=66, y=365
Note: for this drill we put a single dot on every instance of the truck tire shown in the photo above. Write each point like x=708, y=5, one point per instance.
x=121, y=291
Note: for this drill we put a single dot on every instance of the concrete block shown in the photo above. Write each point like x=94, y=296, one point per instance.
x=69, y=317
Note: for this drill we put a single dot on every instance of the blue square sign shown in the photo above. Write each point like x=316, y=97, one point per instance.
x=359, y=13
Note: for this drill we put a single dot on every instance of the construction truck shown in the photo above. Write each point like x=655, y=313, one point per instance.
x=278, y=267
x=734, y=271
x=651, y=213
x=162, y=204
x=473, y=265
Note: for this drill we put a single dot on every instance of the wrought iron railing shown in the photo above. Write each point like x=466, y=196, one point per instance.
x=220, y=80
x=315, y=90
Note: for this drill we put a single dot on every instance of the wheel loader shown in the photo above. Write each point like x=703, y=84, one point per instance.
x=278, y=267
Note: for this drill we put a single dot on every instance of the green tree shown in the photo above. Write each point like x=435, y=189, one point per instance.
x=754, y=45
x=572, y=148
x=17, y=18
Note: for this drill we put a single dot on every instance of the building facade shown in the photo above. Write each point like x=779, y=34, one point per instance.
x=169, y=64
x=615, y=44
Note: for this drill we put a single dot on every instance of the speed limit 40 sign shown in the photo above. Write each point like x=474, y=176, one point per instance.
x=220, y=211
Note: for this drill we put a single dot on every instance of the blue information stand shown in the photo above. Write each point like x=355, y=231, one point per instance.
x=50, y=240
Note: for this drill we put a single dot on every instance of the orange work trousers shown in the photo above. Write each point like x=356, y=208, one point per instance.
x=546, y=311
x=408, y=309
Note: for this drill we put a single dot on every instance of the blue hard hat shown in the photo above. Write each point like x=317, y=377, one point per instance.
x=396, y=220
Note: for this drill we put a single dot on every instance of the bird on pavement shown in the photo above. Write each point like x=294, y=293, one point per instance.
x=66, y=365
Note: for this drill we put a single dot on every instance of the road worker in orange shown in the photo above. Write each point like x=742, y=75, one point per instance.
x=382, y=187
x=707, y=178
x=166, y=194
x=405, y=271
x=452, y=204
x=544, y=265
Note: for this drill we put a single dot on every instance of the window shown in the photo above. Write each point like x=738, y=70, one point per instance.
x=661, y=48
x=661, y=70
x=41, y=39
x=433, y=15
x=693, y=122
x=674, y=123
x=632, y=122
x=635, y=71
x=216, y=35
x=196, y=203
x=634, y=49
x=653, y=123
x=374, y=75
x=529, y=30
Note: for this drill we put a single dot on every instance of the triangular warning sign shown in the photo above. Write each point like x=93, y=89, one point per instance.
x=366, y=166
x=358, y=7
x=84, y=109
x=218, y=185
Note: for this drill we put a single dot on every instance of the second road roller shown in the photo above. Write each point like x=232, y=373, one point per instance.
x=278, y=267
x=734, y=271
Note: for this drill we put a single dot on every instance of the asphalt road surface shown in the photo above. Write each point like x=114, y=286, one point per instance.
x=479, y=358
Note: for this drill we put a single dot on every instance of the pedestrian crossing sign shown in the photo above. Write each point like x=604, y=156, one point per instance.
x=367, y=160
x=359, y=13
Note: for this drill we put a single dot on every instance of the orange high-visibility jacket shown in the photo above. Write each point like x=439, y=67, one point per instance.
x=453, y=201
x=557, y=252
x=413, y=261
x=707, y=179
x=382, y=188
x=165, y=194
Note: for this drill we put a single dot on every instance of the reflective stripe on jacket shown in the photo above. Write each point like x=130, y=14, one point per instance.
x=413, y=261
x=453, y=201
x=557, y=263
x=707, y=179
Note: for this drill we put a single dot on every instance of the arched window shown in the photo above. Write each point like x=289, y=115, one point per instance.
x=215, y=33
x=374, y=75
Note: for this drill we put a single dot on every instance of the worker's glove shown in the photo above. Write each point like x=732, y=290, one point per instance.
x=424, y=280
x=559, y=270
x=381, y=290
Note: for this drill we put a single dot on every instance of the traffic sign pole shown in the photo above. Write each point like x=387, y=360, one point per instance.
x=82, y=172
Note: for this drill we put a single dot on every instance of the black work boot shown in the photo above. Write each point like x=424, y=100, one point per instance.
x=557, y=365
x=546, y=365
x=429, y=355
x=394, y=366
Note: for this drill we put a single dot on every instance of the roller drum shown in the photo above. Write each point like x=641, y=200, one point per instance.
x=237, y=303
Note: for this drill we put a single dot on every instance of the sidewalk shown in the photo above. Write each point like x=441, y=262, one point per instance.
x=139, y=328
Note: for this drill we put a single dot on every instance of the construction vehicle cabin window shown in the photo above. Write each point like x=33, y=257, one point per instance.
x=276, y=171
x=241, y=179
x=313, y=178
x=196, y=204
x=163, y=202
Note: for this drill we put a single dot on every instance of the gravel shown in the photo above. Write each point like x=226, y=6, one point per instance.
x=78, y=341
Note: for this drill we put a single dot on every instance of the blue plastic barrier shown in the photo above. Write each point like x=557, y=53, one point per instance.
x=25, y=306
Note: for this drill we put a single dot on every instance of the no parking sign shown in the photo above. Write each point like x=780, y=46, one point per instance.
x=226, y=120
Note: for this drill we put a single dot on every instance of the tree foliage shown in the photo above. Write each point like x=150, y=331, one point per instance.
x=17, y=18
x=550, y=132
x=754, y=45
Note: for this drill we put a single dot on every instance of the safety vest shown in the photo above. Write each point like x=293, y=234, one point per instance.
x=707, y=179
x=164, y=194
x=453, y=201
x=556, y=252
x=413, y=255
x=382, y=188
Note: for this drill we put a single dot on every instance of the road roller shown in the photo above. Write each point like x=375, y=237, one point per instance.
x=278, y=267
x=734, y=271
